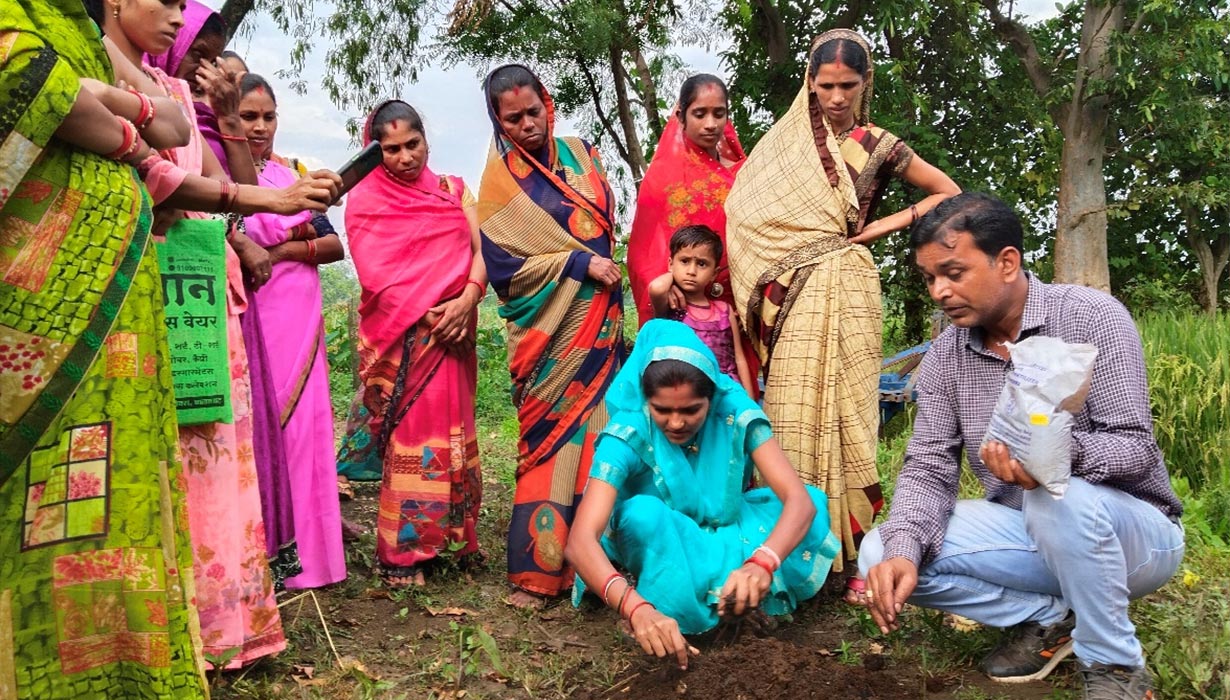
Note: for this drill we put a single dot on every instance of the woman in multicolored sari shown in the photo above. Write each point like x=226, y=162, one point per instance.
x=414, y=239
x=798, y=220
x=545, y=210
x=96, y=587
x=234, y=587
x=293, y=335
x=668, y=500
x=687, y=183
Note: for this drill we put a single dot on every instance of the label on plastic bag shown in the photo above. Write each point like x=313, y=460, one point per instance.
x=1048, y=383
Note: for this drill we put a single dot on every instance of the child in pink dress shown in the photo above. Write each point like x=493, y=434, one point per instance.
x=688, y=293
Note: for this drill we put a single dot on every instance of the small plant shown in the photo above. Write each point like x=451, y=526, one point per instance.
x=473, y=645
x=848, y=655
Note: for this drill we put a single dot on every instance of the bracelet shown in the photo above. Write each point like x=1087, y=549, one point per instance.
x=129, y=144
x=482, y=288
x=235, y=139
x=638, y=607
x=755, y=559
x=777, y=561
x=224, y=195
x=913, y=213
x=606, y=587
x=234, y=197
x=146, y=115
x=622, y=598
x=311, y=251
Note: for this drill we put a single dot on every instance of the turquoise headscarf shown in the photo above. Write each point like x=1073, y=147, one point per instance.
x=709, y=488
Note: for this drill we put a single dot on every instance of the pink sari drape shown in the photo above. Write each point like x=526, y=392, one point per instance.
x=411, y=245
x=293, y=331
x=234, y=588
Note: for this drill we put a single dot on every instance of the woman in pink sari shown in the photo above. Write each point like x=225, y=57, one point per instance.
x=414, y=238
x=293, y=335
x=234, y=589
x=687, y=183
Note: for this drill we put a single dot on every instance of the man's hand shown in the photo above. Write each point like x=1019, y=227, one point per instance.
x=999, y=461
x=889, y=584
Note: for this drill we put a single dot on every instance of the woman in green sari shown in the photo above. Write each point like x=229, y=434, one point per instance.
x=95, y=583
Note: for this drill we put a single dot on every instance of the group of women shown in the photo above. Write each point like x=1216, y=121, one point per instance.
x=664, y=448
x=134, y=547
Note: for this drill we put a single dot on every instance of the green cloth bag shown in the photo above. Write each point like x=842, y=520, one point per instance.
x=192, y=261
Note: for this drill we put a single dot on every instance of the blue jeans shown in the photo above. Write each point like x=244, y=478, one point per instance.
x=1090, y=552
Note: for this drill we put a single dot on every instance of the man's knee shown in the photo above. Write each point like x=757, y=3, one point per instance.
x=1050, y=520
x=870, y=552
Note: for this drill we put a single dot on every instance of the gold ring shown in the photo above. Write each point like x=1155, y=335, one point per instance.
x=870, y=594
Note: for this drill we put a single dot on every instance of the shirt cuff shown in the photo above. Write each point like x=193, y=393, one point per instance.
x=904, y=547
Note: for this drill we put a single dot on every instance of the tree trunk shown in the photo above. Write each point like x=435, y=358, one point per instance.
x=649, y=94
x=1080, y=226
x=1212, y=259
x=233, y=12
x=623, y=107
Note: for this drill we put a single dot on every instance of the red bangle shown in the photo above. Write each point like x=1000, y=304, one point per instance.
x=130, y=142
x=623, y=598
x=236, y=139
x=311, y=251
x=759, y=561
x=146, y=115
x=224, y=193
x=913, y=213
x=638, y=607
x=482, y=288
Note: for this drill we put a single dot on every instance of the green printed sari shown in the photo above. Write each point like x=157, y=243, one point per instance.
x=95, y=567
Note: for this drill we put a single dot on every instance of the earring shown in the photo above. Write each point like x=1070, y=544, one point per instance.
x=115, y=10
x=716, y=289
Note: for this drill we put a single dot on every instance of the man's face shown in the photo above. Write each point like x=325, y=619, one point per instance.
x=970, y=287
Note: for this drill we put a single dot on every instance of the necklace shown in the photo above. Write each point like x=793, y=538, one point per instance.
x=842, y=136
x=260, y=164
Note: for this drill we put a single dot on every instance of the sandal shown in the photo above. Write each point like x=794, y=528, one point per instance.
x=345, y=491
x=856, y=592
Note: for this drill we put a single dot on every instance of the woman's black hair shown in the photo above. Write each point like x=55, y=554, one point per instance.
x=214, y=26
x=395, y=110
x=94, y=8
x=993, y=224
x=231, y=54
x=838, y=50
x=251, y=81
x=661, y=374
x=696, y=235
x=508, y=78
x=691, y=88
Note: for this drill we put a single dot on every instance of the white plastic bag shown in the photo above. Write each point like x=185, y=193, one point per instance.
x=1048, y=383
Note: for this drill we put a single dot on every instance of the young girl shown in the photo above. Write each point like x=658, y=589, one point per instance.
x=687, y=293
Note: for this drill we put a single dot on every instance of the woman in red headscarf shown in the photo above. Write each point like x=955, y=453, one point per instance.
x=687, y=182
x=414, y=239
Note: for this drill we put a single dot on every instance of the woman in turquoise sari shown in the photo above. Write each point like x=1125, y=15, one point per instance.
x=668, y=500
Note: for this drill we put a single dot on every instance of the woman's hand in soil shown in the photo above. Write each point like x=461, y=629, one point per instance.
x=745, y=587
x=659, y=635
x=889, y=585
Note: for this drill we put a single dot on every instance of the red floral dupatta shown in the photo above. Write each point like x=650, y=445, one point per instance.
x=684, y=185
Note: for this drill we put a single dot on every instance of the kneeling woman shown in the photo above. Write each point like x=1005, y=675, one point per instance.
x=667, y=499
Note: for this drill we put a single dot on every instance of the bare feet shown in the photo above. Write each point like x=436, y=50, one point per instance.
x=399, y=582
x=525, y=600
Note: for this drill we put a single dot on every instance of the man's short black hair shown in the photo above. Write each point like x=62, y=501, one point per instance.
x=993, y=224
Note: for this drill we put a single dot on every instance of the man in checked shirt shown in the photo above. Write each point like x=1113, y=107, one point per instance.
x=1059, y=573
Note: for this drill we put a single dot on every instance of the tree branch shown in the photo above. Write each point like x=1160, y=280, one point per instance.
x=777, y=42
x=592, y=84
x=624, y=109
x=1023, y=45
x=649, y=94
x=233, y=12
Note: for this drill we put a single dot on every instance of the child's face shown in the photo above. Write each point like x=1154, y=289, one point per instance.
x=694, y=268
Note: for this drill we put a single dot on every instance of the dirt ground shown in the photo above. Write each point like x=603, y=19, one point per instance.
x=457, y=638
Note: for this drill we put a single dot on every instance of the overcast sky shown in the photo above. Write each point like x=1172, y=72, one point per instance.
x=450, y=101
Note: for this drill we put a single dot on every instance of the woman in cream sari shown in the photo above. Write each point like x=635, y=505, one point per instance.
x=798, y=219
